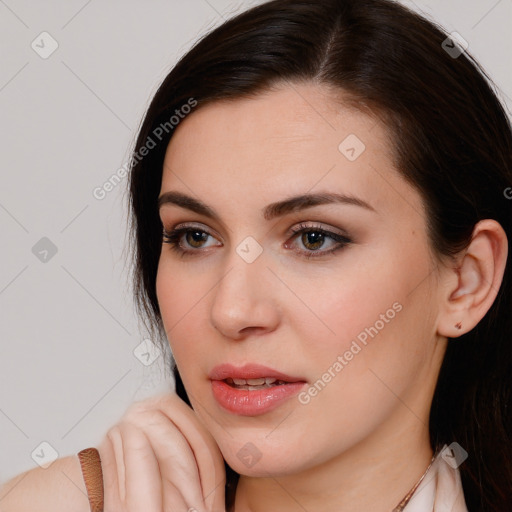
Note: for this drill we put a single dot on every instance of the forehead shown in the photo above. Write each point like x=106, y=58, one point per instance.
x=287, y=141
x=296, y=115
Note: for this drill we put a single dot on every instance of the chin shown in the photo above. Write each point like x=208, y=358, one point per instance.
x=262, y=459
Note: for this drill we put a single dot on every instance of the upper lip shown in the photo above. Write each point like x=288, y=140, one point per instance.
x=249, y=371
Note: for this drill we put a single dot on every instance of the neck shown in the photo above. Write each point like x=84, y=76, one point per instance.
x=373, y=475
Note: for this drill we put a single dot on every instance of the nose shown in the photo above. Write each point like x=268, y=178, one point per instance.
x=245, y=299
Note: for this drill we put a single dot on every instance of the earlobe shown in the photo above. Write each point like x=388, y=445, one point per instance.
x=472, y=286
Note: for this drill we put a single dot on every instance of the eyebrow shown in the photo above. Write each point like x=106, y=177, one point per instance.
x=271, y=211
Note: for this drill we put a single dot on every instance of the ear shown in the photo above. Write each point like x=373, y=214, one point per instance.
x=469, y=289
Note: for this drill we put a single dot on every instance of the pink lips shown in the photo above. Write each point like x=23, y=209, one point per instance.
x=246, y=402
x=249, y=371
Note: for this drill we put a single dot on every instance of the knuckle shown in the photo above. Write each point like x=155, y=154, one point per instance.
x=142, y=408
x=113, y=433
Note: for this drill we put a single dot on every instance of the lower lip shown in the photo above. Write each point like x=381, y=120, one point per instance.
x=251, y=403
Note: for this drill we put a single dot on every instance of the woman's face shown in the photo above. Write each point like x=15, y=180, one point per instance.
x=341, y=295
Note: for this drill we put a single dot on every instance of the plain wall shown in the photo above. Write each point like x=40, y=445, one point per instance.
x=68, y=329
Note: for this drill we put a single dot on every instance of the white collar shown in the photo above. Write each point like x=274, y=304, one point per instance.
x=441, y=488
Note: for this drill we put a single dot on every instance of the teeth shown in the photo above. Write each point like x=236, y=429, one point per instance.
x=254, y=382
x=262, y=381
x=240, y=382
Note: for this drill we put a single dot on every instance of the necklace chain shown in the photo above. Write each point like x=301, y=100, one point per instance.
x=400, y=507
x=408, y=496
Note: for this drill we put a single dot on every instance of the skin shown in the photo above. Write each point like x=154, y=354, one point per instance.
x=362, y=442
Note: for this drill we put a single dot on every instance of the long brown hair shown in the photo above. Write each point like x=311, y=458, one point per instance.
x=451, y=138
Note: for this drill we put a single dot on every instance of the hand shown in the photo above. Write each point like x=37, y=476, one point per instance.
x=161, y=458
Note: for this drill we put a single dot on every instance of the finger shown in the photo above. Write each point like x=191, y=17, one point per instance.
x=206, y=452
x=110, y=451
x=112, y=455
x=143, y=489
x=208, y=457
x=178, y=466
x=173, y=501
x=137, y=490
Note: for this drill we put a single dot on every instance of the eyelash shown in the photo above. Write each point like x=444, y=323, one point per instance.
x=173, y=237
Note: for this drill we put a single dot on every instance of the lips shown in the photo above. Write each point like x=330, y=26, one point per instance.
x=250, y=371
x=252, y=389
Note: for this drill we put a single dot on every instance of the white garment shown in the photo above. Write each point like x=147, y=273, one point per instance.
x=441, y=488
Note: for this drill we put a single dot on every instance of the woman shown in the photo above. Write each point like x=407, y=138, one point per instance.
x=321, y=220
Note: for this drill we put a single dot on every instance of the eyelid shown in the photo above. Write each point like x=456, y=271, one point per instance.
x=294, y=230
x=305, y=225
x=340, y=238
x=191, y=225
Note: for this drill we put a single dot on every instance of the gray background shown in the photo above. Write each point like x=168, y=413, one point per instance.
x=68, y=369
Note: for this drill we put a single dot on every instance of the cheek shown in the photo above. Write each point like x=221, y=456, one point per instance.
x=362, y=302
x=178, y=293
x=377, y=294
x=372, y=329
x=183, y=302
x=172, y=295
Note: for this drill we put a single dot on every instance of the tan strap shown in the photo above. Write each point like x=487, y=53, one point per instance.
x=90, y=463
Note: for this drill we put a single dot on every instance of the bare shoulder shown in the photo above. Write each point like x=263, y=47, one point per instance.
x=60, y=487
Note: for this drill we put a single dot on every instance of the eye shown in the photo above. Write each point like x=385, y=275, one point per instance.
x=315, y=239
x=187, y=239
